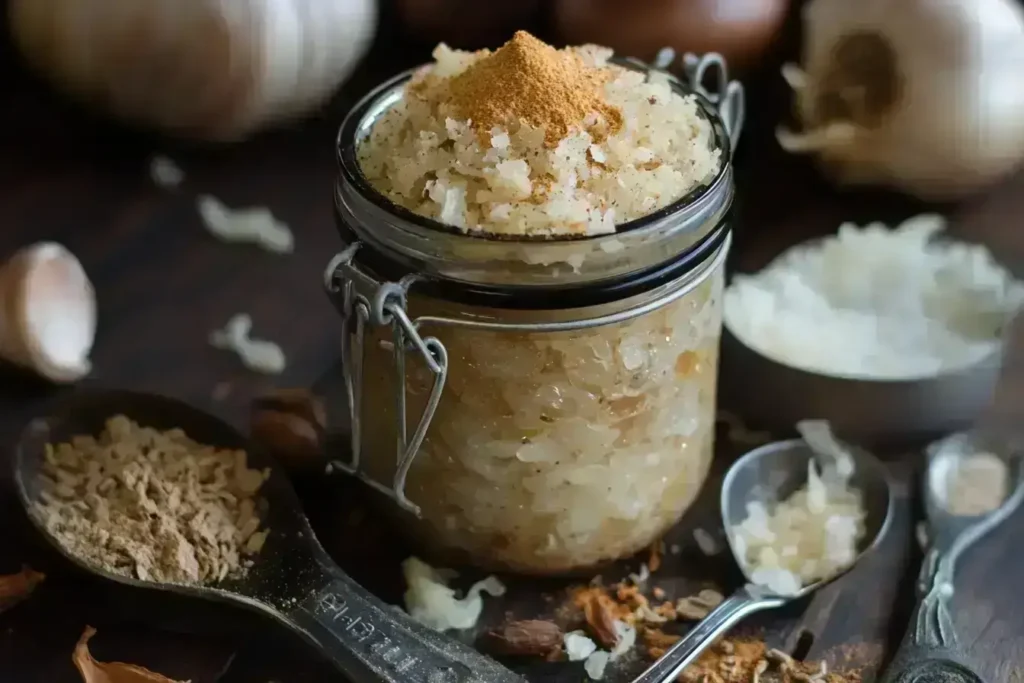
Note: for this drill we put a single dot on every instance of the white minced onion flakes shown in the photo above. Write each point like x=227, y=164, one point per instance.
x=811, y=535
x=254, y=225
x=430, y=601
x=165, y=172
x=596, y=664
x=578, y=646
x=876, y=303
x=421, y=156
x=259, y=355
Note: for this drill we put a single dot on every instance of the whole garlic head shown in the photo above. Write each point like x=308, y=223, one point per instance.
x=923, y=96
x=207, y=69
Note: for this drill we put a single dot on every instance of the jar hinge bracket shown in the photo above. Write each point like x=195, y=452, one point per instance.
x=362, y=300
x=727, y=96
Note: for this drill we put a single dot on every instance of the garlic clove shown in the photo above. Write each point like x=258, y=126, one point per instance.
x=48, y=320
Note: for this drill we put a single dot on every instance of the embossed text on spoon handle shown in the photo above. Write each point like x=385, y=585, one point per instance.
x=376, y=643
x=743, y=602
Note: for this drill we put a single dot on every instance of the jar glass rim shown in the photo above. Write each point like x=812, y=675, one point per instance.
x=360, y=119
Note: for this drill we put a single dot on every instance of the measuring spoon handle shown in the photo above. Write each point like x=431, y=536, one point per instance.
x=376, y=643
x=929, y=653
x=737, y=606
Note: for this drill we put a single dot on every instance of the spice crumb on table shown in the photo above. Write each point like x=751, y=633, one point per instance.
x=730, y=660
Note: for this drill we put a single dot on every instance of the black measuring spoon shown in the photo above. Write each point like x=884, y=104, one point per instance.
x=293, y=579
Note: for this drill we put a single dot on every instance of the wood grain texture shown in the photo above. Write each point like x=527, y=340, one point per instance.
x=163, y=284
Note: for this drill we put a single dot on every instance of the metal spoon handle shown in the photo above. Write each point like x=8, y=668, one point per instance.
x=929, y=652
x=376, y=643
x=740, y=604
x=929, y=670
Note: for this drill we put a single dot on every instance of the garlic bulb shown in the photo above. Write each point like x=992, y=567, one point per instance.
x=208, y=69
x=924, y=96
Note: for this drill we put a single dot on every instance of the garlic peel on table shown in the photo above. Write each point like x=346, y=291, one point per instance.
x=206, y=69
x=48, y=318
x=925, y=97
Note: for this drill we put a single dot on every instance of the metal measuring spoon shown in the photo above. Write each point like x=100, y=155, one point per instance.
x=293, y=579
x=929, y=652
x=772, y=472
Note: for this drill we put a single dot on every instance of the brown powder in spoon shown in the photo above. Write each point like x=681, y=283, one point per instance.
x=154, y=505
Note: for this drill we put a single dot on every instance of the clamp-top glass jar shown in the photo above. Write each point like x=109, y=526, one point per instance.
x=540, y=406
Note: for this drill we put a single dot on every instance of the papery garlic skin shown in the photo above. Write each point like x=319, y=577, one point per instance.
x=951, y=120
x=214, y=70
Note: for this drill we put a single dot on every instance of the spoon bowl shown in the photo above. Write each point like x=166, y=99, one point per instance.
x=772, y=473
x=931, y=650
x=953, y=532
x=292, y=580
x=775, y=471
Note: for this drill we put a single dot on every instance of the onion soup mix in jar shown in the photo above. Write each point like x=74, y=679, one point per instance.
x=531, y=289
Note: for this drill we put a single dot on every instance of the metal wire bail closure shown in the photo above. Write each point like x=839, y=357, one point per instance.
x=384, y=307
x=728, y=97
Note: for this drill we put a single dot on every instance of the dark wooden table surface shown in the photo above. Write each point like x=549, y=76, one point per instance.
x=163, y=284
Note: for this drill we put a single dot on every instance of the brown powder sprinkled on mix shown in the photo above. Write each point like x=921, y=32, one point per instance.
x=152, y=504
x=531, y=82
x=530, y=140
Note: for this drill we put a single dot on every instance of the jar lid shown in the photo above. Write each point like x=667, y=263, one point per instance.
x=528, y=272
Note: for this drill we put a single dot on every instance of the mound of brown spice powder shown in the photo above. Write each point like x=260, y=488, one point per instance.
x=528, y=81
x=152, y=504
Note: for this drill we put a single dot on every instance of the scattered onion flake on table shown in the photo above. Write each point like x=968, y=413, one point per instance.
x=165, y=173
x=253, y=225
x=430, y=601
x=259, y=355
x=811, y=535
x=580, y=648
x=530, y=140
x=876, y=303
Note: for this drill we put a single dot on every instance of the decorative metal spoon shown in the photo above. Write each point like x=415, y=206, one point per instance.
x=930, y=652
x=294, y=580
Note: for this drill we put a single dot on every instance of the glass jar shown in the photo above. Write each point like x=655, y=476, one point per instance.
x=539, y=406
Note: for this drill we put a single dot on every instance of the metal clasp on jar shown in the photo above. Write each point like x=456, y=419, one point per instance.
x=362, y=300
x=346, y=283
x=728, y=97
